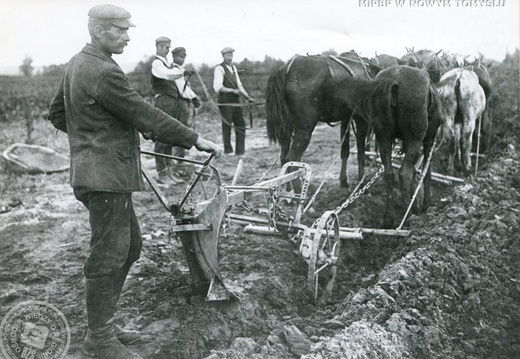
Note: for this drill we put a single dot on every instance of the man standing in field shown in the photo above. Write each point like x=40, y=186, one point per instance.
x=227, y=84
x=173, y=96
x=103, y=115
x=186, y=96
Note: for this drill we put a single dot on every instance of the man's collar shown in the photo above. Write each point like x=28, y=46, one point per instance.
x=93, y=50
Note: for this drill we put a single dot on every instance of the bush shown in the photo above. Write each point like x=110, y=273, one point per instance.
x=505, y=102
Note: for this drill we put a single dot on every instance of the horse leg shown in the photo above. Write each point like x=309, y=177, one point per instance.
x=299, y=144
x=458, y=145
x=407, y=170
x=386, y=157
x=361, y=134
x=427, y=147
x=449, y=131
x=466, y=143
x=345, y=152
x=285, y=144
x=487, y=126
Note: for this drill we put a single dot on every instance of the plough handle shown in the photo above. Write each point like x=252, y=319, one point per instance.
x=178, y=158
x=194, y=182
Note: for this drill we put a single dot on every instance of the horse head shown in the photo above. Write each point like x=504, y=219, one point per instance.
x=412, y=59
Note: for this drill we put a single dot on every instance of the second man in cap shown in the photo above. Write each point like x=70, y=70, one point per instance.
x=228, y=86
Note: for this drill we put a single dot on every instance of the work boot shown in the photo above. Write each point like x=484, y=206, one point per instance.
x=175, y=178
x=185, y=170
x=126, y=337
x=101, y=341
x=165, y=179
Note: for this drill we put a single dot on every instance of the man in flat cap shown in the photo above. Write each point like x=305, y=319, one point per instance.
x=228, y=86
x=173, y=96
x=103, y=116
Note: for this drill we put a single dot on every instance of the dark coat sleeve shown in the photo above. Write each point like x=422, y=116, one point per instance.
x=115, y=94
x=57, y=110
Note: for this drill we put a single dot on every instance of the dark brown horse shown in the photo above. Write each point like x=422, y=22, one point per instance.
x=298, y=96
x=415, y=123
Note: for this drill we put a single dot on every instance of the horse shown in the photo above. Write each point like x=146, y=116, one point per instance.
x=425, y=59
x=438, y=65
x=415, y=122
x=296, y=102
x=463, y=102
x=480, y=69
x=385, y=61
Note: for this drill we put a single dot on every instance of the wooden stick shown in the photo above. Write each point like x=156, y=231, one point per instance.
x=383, y=232
x=478, y=145
x=435, y=176
x=237, y=172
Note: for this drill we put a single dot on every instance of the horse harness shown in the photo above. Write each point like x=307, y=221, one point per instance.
x=340, y=60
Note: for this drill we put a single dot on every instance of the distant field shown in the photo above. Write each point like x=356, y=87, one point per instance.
x=24, y=104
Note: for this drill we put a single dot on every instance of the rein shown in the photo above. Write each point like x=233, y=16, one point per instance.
x=213, y=105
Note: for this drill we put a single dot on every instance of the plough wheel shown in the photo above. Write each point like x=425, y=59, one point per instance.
x=207, y=187
x=324, y=257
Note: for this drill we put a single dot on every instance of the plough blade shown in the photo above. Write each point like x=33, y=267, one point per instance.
x=201, y=249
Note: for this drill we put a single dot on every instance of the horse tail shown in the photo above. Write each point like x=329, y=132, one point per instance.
x=458, y=96
x=434, y=114
x=277, y=111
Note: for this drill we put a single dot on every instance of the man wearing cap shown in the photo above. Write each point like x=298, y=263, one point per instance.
x=103, y=115
x=227, y=84
x=173, y=96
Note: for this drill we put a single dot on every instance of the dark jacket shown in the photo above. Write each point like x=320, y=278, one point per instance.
x=103, y=115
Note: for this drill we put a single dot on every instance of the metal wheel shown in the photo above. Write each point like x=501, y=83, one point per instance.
x=324, y=256
x=207, y=186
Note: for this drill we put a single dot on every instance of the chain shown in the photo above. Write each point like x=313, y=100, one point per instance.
x=272, y=197
x=275, y=211
x=355, y=194
x=358, y=194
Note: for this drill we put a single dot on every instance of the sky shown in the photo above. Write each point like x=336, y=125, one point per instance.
x=52, y=31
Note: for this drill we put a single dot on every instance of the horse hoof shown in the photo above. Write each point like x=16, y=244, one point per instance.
x=343, y=184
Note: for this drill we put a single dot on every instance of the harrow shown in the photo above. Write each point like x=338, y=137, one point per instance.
x=207, y=203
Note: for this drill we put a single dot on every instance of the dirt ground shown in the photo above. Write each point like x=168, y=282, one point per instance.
x=450, y=290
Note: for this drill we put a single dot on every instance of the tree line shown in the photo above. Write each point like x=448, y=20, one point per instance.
x=268, y=65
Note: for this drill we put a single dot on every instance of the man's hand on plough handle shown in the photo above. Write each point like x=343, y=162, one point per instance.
x=208, y=146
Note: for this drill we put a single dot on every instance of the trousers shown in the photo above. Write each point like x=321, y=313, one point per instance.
x=116, y=239
x=233, y=116
x=179, y=109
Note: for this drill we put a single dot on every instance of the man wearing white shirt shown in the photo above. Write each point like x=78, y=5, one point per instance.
x=186, y=97
x=173, y=97
x=227, y=84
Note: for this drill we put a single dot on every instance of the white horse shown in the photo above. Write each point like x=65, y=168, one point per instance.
x=463, y=101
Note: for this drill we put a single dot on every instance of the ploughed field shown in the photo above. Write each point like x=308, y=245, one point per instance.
x=450, y=290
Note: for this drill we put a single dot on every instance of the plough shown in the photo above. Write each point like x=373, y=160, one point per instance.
x=198, y=223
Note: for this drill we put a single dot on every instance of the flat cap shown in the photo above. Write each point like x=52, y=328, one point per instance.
x=178, y=50
x=227, y=50
x=115, y=15
x=162, y=39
